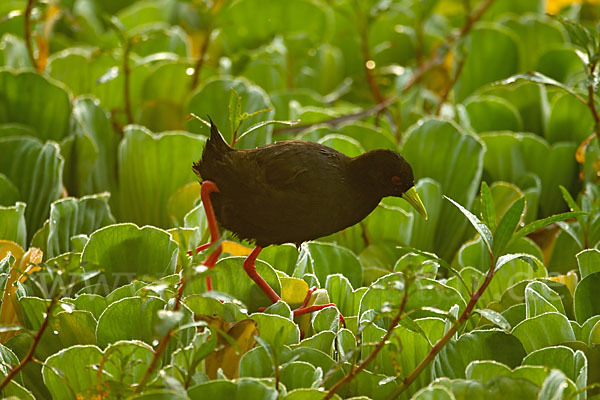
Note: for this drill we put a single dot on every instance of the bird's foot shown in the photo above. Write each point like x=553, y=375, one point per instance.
x=306, y=309
x=208, y=262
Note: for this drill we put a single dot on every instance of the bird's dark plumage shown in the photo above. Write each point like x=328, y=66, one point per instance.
x=295, y=191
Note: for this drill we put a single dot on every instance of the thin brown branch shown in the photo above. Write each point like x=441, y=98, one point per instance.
x=591, y=102
x=201, y=57
x=340, y=120
x=355, y=371
x=36, y=341
x=28, y=44
x=162, y=345
x=449, y=87
x=466, y=314
x=438, y=57
x=126, y=85
x=369, y=65
x=434, y=60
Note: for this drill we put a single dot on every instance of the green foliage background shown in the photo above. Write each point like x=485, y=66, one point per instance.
x=96, y=148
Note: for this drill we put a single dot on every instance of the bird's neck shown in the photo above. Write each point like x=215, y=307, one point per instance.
x=360, y=173
x=367, y=194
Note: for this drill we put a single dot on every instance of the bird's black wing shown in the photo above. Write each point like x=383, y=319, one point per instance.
x=298, y=166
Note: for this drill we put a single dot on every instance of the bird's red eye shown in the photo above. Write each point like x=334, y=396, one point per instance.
x=396, y=180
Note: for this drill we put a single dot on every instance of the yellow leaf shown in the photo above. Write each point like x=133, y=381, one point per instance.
x=235, y=249
x=7, y=246
x=569, y=280
x=228, y=356
x=25, y=264
x=293, y=290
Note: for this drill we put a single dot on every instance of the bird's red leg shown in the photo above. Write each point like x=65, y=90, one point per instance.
x=250, y=268
x=209, y=187
x=304, y=309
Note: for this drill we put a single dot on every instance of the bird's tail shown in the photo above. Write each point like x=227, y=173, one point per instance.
x=216, y=141
x=214, y=148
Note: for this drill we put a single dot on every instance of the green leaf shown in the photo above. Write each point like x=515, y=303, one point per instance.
x=486, y=371
x=588, y=261
x=572, y=363
x=579, y=34
x=388, y=290
x=324, y=259
x=528, y=258
x=574, y=125
x=539, y=299
x=9, y=194
x=584, y=298
x=164, y=92
x=71, y=217
x=36, y=169
x=343, y=144
x=127, y=361
x=493, y=54
x=142, y=175
x=229, y=277
x=544, y=330
x=514, y=157
x=434, y=392
x=131, y=318
x=490, y=113
x=342, y=294
x=554, y=386
x=299, y=374
x=69, y=372
x=282, y=258
x=537, y=34
x=34, y=100
x=477, y=345
x=479, y=226
x=246, y=388
x=495, y=318
x=93, y=122
x=12, y=223
x=432, y=147
x=212, y=98
x=124, y=252
x=265, y=123
x=537, y=77
x=301, y=18
x=307, y=394
x=506, y=227
x=488, y=210
x=93, y=303
x=541, y=223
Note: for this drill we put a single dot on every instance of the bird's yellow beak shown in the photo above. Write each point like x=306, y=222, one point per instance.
x=414, y=200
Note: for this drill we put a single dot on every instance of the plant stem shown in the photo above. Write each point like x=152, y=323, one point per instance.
x=28, y=11
x=466, y=314
x=340, y=120
x=201, y=57
x=438, y=57
x=354, y=371
x=591, y=101
x=449, y=87
x=434, y=60
x=162, y=345
x=126, y=72
x=369, y=64
x=36, y=341
x=160, y=349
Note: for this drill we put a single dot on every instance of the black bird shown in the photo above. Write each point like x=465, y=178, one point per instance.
x=294, y=191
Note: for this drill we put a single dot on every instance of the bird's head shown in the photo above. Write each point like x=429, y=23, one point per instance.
x=389, y=174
